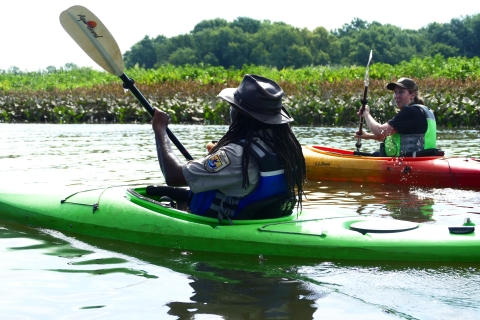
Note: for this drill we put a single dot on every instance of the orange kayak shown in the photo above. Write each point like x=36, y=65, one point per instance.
x=324, y=163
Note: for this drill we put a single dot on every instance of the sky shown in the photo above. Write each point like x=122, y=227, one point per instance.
x=33, y=39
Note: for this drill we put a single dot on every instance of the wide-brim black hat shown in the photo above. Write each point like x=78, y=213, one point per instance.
x=259, y=98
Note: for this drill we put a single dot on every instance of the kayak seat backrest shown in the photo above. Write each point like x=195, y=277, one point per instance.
x=276, y=206
x=177, y=197
x=425, y=153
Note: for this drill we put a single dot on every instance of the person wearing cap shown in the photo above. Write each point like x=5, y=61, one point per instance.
x=411, y=130
x=255, y=171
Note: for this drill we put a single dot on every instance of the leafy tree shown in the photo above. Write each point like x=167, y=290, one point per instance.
x=441, y=34
x=142, y=54
x=211, y=59
x=16, y=70
x=391, y=44
x=183, y=56
x=277, y=38
x=204, y=44
x=164, y=47
x=70, y=66
x=324, y=46
x=471, y=37
x=248, y=25
x=209, y=24
x=182, y=41
x=259, y=55
x=231, y=47
x=246, y=41
x=347, y=29
x=443, y=49
x=51, y=69
x=459, y=37
x=299, y=56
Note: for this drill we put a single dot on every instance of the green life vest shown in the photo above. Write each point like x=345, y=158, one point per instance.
x=399, y=144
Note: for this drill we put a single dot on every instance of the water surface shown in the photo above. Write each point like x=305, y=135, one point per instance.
x=46, y=274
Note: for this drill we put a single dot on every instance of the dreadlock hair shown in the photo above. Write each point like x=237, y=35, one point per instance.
x=282, y=141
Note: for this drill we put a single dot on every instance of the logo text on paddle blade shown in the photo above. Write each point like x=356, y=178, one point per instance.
x=90, y=25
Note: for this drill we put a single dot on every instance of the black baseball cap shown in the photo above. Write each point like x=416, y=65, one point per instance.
x=406, y=83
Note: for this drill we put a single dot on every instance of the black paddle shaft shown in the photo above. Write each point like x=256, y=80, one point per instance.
x=128, y=83
x=364, y=103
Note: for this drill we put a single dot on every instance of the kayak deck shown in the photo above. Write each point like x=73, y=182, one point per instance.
x=129, y=214
x=324, y=163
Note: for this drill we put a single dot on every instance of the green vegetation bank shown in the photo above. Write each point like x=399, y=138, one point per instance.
x=315, y=96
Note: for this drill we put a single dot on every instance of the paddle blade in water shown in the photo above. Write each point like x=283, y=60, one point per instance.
x=93, y=37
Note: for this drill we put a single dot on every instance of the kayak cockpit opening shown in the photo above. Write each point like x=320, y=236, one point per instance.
x=169, y=196
x=416, y=154
x=174, y=202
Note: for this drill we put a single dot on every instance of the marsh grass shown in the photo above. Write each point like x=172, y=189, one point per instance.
x=317, y=96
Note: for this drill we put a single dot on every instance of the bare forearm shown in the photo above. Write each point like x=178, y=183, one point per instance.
x=379, y=131
x=169, y=162
x=367, y=136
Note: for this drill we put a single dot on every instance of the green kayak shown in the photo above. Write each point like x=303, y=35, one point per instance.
x=131, y=214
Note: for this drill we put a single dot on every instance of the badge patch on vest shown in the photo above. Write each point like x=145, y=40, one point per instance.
x=216, y=161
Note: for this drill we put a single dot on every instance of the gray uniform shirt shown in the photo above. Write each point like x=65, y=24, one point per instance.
x=222, y=171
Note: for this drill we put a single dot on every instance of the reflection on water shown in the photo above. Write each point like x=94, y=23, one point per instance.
x=71, y=276
x=440, y=206
x=249, y=295
x=67, y=274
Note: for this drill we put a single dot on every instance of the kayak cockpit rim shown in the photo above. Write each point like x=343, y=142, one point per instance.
x=140, y=197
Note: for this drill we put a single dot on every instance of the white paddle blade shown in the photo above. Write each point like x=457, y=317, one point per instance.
x=93, y=37
x=367, y=80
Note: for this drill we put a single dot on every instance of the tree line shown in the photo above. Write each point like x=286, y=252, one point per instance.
x=247, y=41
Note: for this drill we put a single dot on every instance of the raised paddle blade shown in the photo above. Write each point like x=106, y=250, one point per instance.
x=93, y=37
x=366, y=72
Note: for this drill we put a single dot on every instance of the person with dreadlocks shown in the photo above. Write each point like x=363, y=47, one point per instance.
x=255, y=171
